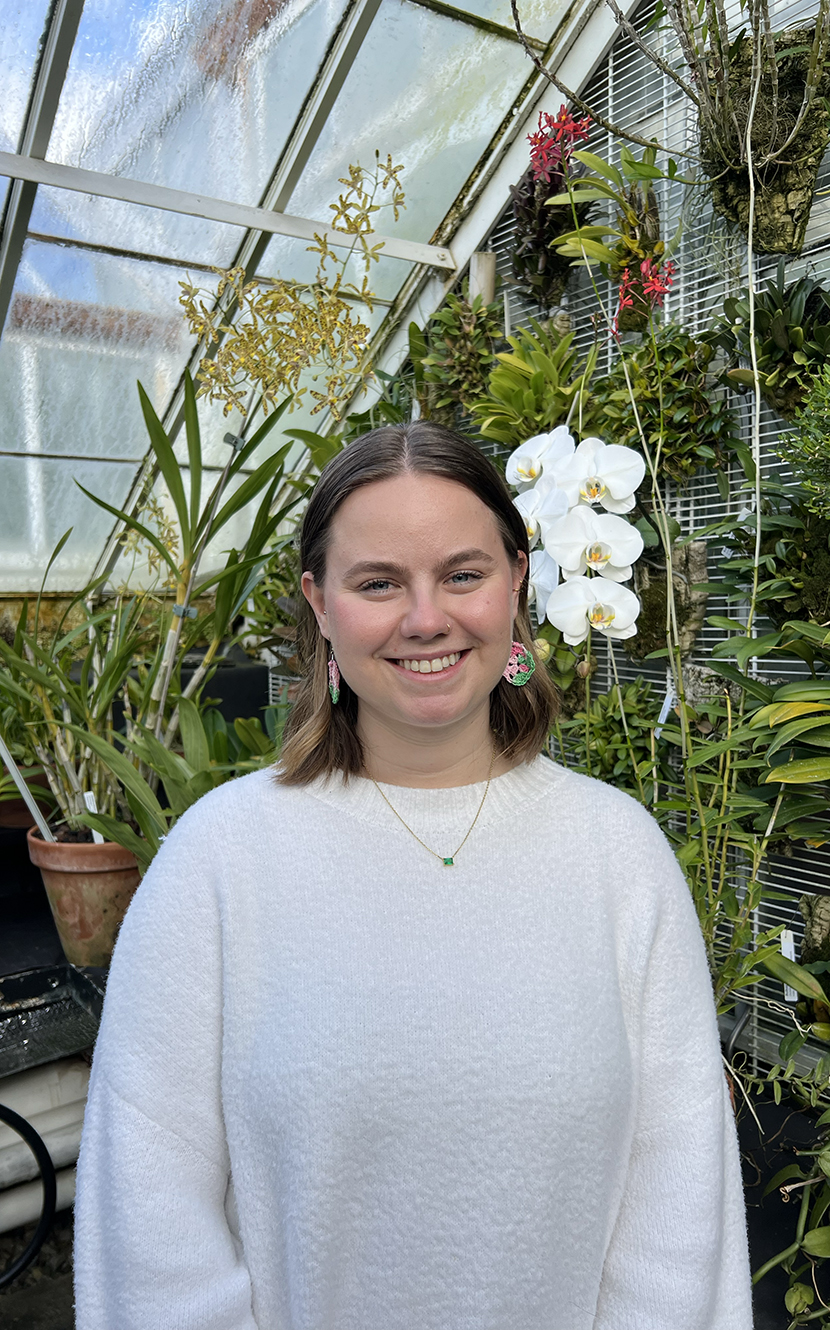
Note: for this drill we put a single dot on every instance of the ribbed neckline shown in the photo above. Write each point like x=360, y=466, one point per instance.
x=508, y=795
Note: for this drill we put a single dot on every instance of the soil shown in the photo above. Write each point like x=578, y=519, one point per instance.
x=53, y=1260
x=70, y=836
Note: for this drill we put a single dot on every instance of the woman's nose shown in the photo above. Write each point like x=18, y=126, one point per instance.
x=424, y=618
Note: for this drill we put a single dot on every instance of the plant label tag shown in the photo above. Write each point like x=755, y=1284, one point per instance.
x=788, y=950
x=664, y=710
x=89, y=800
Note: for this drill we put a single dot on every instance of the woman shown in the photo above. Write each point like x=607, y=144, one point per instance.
x=418, y=1034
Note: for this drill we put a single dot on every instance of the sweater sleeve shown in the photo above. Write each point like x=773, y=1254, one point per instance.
x=678, y=1251
x=154, y=1249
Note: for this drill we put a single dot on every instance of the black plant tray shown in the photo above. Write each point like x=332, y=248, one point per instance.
x=46, y=1013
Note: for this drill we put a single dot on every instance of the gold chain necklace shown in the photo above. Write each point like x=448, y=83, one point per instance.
x=447, y=860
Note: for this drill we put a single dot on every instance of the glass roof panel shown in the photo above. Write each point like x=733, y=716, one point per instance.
x=22, y=23
x=198, y=95
x=38, y=502
x=82, y=328
x=99, y=221
x=537, y=17
x=431, y=91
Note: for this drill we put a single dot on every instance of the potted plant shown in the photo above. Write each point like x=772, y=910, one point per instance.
x=535, y=386
x=792, y=339
x=628, y=244
x=540, y=271
x=117, y=662
x=686, y=424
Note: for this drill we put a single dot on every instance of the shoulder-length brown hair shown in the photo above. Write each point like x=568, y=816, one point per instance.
x=321, y=738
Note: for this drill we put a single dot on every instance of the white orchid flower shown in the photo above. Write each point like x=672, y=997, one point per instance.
x=592, y=602
x=602, y=473
x=544, y=576
x=527, y=463
x=586, y=541
x=540, y=507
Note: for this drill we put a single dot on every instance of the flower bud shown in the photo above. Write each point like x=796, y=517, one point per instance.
x=798, y=1298
x=542, y=649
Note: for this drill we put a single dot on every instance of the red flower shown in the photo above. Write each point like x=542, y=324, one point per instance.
x=552, y=144
x=656, y=282
x=648, y=289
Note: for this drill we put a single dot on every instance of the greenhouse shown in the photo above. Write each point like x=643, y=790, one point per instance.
x=296, y=298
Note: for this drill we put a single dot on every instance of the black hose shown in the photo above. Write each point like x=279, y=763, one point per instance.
x=50, y=1191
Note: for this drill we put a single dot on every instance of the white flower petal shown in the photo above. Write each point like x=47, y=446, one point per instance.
x=612, y=505
x=544, y=576
x=622, y=469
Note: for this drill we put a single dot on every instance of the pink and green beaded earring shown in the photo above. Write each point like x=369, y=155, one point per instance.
x=520, y=666
x=334, y=679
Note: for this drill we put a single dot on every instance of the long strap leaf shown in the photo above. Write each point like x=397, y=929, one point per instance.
x=168, y=466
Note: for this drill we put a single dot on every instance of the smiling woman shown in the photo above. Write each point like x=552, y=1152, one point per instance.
x=442, y=576
x=363, y=1093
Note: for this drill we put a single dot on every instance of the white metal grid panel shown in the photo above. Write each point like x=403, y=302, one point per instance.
x=629, y=91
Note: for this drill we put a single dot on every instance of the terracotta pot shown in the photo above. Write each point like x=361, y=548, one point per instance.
x=15, y=812
x=89, y=888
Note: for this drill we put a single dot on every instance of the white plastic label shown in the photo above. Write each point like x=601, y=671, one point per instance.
x=788, y=950
x=89, y=800
x=664, y=710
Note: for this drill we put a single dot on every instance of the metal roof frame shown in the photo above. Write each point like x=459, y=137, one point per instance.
x=263, y=220
x=34, y=140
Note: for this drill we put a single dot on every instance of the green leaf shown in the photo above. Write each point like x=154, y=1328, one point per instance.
x=598, y=165
x=250, y=487
x=143, y=531
x=125, y=773
x=794, y=976
x=786, y=1174
x=194, y=449
x=194, y=739
x=806, y=771
x=251, y=734
x=817, y=1242
x=119, y=833
x=169, y=467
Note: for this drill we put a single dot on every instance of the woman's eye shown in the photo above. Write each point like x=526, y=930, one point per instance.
x=376, y=584
x=465, y=578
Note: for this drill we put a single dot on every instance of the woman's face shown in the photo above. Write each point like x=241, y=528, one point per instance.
x=418, y=600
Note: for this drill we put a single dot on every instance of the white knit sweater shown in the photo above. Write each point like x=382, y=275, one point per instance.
x=339, y=1086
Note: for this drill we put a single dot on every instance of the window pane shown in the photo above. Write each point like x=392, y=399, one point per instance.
x=199, y=95
x=82, y=328
x=64, y=213
x=38, y=502
x=537, y=17
x=427, y=89
x=22, y=24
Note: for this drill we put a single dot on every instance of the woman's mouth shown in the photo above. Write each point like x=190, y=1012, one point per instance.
x=429, y=664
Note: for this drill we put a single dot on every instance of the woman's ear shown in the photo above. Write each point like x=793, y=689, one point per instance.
x=315, y=598
x=520, y=571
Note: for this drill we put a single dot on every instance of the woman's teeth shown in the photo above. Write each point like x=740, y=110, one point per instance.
x=431, y=666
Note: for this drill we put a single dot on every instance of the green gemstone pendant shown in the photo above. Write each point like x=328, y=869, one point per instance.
x=449, y=863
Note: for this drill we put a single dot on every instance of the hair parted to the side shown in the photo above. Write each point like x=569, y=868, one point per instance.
x=321, y=738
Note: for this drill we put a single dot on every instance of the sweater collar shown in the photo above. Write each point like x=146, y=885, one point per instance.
x=508, y=796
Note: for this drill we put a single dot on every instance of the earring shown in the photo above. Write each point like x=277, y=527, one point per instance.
x=520, y=666
x=334, y=679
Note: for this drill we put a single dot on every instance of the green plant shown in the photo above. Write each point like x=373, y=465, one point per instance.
x=807, y=447
x=614, y=739
x=686, y=425
x=782, y=82
x=792, y=559
x=456, y=352
x=792, y=339
x=211, y=753
x=628, y=244
x=127, y=651
x=536, y=385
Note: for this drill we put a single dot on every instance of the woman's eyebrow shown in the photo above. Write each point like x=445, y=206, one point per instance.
x=397, y=570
